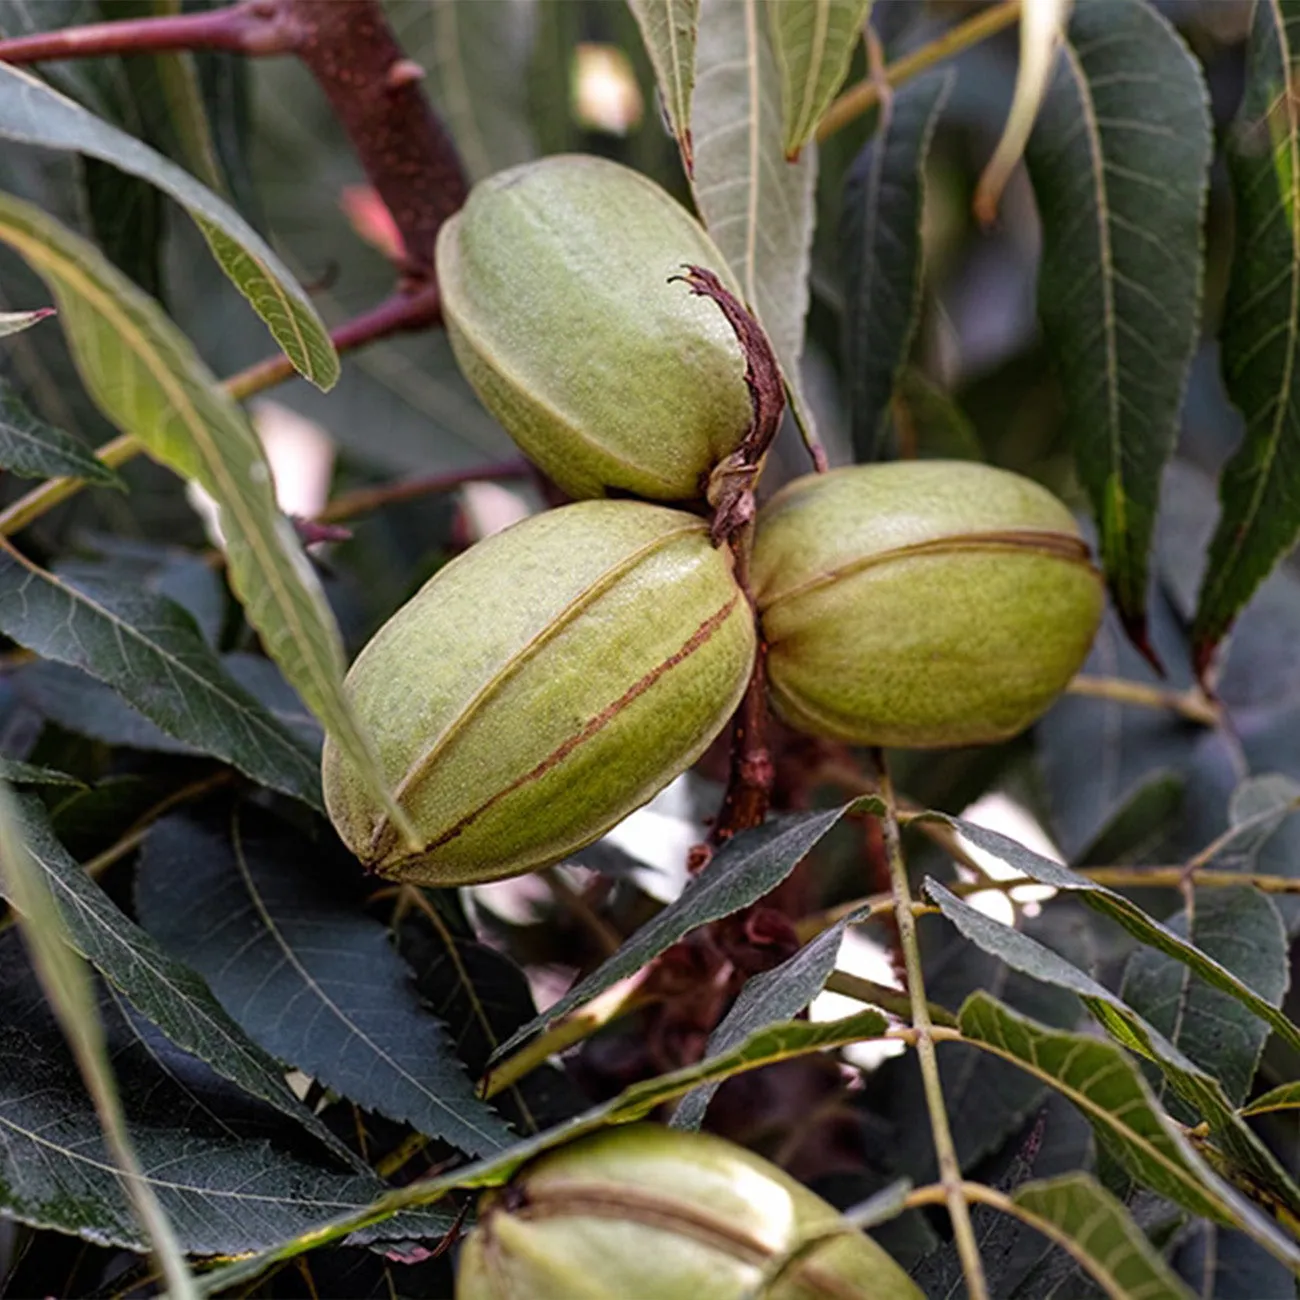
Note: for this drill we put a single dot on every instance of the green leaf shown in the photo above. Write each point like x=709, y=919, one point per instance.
x=150, y=651
x=1097, y=1231
x=757, y=207
x=145, y=377
x=14, y=322
x=1127, y=914
x=203, y=1148
x=65, y=982
x=32, y=113
x=880, y=244
x=1240, y=929
x=776, y=994
x=669, y=29
x=17, y=773
x=476, y=56
x=1286, y=1096
x=250, y=905
x=928, y=423
x=780, y=1042
x=168, y=992
x=34, y=449
x=1200, y=1089
x=814, y=44
x=1259, y=519
x=1105, y=1085
x=741, y=872
x=1119, y=160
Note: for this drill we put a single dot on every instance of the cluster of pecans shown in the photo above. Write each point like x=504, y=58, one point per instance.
x=556, y=676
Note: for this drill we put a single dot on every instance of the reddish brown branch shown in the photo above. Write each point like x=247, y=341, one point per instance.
x=749, y=787
x=364, y=500
x=376, y=94
x=256, y=27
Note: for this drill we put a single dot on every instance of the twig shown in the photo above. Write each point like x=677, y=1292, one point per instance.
x=256, y=28
x=749, y=785
x=617, y=1001
x=399, y=313
x=897, y=1003
x=375, y=93
x=1192, y=704
x=361, y=501
x=945, y=1151
x=605, y=937
x=857, y=99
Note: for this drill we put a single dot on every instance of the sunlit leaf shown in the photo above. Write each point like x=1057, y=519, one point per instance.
x=814, y=44
x=757, y=206
x=33, y=113
x=147, y=380
x=668, y=28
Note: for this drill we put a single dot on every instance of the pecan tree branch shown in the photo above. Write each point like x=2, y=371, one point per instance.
x=375, y=92
x=255, y=27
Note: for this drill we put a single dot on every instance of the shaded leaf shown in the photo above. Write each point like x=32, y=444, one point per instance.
x=1286, y=1096
x=307, y=974
x=1097, y=1231
x=14, y=322
x=757, y=207
x=1222, y=1264
x=669, y=29
x=880, y=244
x=741, y=872
x=988, y=1100
x=145, y=377
x=1119, y=162
x=202, y=1148
x=34, y=449
x=928, y=424
x=476, y=56
x=1240, y=929
x=781, y=1042
x=33, y=113
x=776, y=994
x=814, y=44
x=150, y=651
x=167, y=991
x=66, y=982
x=1260, y=520
x=482, y=997
x=1122, y=910
x=1199, y=1089
x=85, y=707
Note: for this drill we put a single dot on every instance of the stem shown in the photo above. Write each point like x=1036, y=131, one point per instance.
x=1192, y=704
x=617, y=1001
x=401, y=312
x=857, y=99
x=749, y=786
x=363, y=501
x=881, y=995
x=945, y=1151
x=376, y=95
x=252, y=29
x=605, y=937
